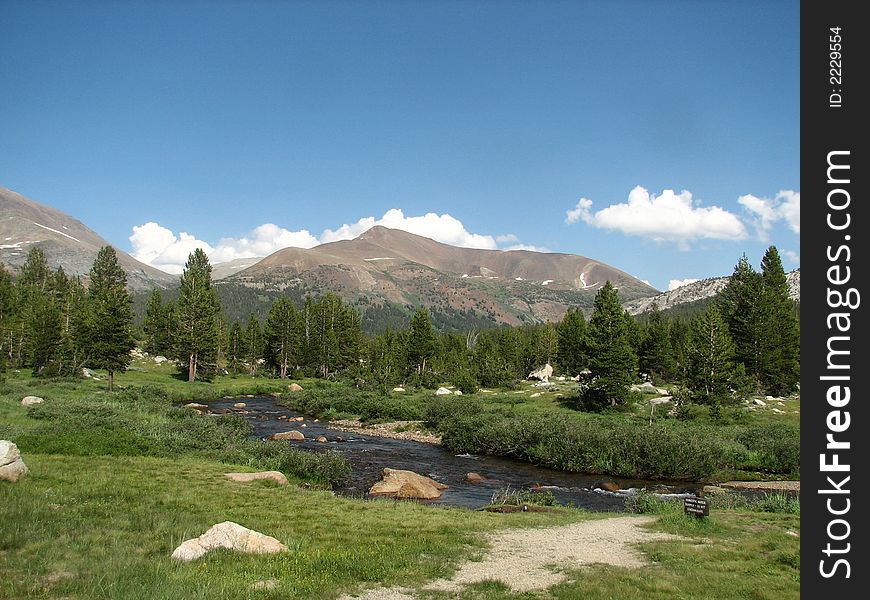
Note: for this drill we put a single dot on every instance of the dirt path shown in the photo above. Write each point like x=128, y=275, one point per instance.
x=530, y=559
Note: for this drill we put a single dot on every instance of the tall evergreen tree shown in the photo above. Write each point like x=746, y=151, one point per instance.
x=780, y=339
x=110, y=316
x=156, y=325
x=282, y=334
x=711, y=353
x=573, y=345
x=196, y=313
x=422, y=342
x=235, y=347
x=656, y=356
x=613, y=361
x=740, y=306
x=35, y=272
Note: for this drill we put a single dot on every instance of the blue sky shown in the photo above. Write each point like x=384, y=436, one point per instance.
x=562, y=125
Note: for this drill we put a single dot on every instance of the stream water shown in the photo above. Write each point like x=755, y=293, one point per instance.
x=368, y=455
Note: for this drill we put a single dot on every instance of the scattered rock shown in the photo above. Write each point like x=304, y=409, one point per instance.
x=661, y=400
x=645, y=388
x=298, y=419
x=12, y=467
x=231, y=536
x=86, y=372
x=196, y=406
x=560, y=378
x=407, y=484
x=474, y=477
x=275, y=476
x=296, y=436
x=535, y=395
x=792, y=533
x=265, y=584
x=294, y=387
x=777, y=411
x=31, y=400
x=543, y=374
x=398, y=389
x=239, y=405
x=321, y=438
x=442, y=391
x=609, y=486
x=713, y=490
x=760, y=402
x=160, y=359
x=457, y=393
x=304, y=425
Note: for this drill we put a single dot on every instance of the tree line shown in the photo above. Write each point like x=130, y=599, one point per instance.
x=747, y=340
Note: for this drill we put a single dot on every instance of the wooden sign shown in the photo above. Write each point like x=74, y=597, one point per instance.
x=700, y=507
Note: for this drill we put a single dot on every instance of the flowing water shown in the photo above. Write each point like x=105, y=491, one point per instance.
x=368, y=455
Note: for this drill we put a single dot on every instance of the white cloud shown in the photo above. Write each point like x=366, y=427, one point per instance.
x=675, y=283
x=158, y=246
x=765, y=212
x=792, y=257
x=441, y=228
x=668, y=217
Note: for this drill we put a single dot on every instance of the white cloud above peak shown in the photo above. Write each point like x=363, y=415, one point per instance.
x=158, y=246
x=668, y=217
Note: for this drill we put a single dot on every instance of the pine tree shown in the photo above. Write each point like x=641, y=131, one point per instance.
x=35, y=271
x=235, y=346
x=613, y=361
x=573, y=346
x=740, y=306
x=422, y=342
x=282, y=335
x=547, y=344
x=196, y=314
x=711, y=353
x=656, y=356
x=42, y=324
x=110, y=316
x=780, y=339
x=253, y=344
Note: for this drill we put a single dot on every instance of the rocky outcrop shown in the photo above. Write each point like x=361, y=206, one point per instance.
x=196, y=406
x=542, y=374
x=231, y=536
x=295, y=436
x=442, y=391
x=31, y=400
x=275, y=476
x=407, y=484
x=12, y=468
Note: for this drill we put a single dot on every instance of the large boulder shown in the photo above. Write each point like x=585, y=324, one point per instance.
x=296, y=436
x=231, y=536
x=275, y=476
x=294, y=387
x=474, y=477
x=31, y=400
x=442, y=391
x=407, y=484
x=12, y=468
x=542, y=374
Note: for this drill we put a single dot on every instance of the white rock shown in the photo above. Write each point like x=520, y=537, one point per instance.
x=31, y=400
x=760, y=402
x=442, y=391
x=398, y=389
x=661, y=400
x=535, y=395
x=560, y=378
x=12, y=468
x=231, y=536
x=276, y=476
x=160, y=359
x=542, y=374
x=457, y=393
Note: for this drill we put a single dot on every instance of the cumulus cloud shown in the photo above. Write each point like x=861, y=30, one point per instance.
x=668, y=217
x=675, y=283
x=441, y=228
x=158, y=246
x=765, y=212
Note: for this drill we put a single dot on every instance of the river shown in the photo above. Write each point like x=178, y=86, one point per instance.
x=368, y=455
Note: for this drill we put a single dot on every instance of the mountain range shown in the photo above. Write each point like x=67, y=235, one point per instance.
x=65, y=241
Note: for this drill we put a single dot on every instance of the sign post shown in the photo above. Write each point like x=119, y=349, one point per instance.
x=697, y=506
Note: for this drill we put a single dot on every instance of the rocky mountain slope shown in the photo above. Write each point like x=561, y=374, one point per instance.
x=700, y=290
x=66, y=242
x=388, y=269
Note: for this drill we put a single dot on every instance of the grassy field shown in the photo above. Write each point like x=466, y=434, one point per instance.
x=119, y=480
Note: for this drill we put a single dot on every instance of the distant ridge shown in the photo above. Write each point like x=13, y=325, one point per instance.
x=66, y=242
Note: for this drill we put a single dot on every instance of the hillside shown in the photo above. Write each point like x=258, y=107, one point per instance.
x=386, y=272
x=66, y=242
x=700, y=290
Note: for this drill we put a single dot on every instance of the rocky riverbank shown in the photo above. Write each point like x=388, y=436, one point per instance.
x=396, y=430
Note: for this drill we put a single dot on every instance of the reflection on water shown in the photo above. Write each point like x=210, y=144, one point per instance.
x=369, y=455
